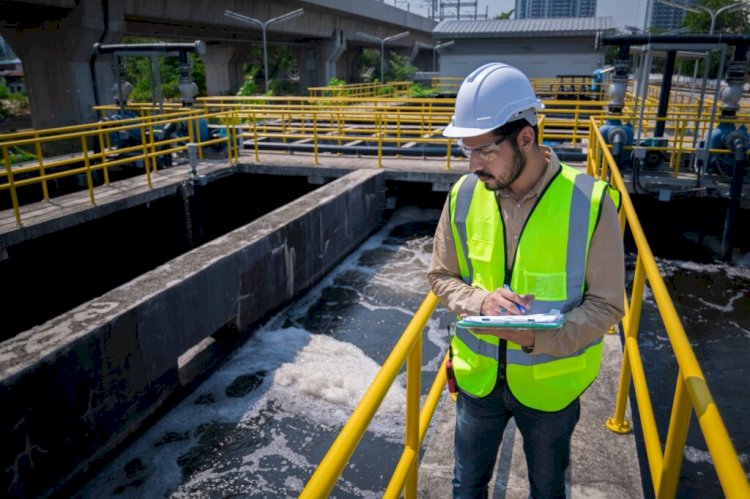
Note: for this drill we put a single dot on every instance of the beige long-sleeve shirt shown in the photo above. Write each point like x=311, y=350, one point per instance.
x=603, y=300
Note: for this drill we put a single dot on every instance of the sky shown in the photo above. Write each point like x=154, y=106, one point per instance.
x=624, y=12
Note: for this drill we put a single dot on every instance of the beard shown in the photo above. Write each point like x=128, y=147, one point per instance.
x=506, y=179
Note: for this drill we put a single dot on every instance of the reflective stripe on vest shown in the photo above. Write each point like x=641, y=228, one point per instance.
x=540, y=381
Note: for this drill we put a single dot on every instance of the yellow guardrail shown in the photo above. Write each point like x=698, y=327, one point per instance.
x=407, y=351
x=90, y=150
x=692, y=392
x=393, y=88
x=385, y=126
x=692, y=389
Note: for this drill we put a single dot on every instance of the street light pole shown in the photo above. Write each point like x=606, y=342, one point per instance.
x=382, y=42
x=434, y=53
x=263, y=27
x=700, y=9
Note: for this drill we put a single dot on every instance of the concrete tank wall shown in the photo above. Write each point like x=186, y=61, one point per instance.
x=75, y=387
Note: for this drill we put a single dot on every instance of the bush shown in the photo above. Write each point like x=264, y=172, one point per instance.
x=248, y=88
x=421, y=92
x=4, y=92
x=19, y=155
x=20, y=100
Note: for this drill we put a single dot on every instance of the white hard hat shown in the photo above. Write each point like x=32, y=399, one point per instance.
x=492, y=96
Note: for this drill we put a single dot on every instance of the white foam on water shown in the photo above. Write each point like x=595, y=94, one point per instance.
x=729, y=307
x=333, y=376
x=302, y=375
x=695, y=455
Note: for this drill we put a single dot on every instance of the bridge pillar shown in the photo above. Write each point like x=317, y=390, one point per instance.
x=60, y=67
x=331, y=51
x=307, y=66
x=224, y=69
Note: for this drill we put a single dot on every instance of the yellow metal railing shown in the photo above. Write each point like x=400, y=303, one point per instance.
x=408, y=350
x=385, y=126
x=692, y=392
x=393, y=88
x=83, y=159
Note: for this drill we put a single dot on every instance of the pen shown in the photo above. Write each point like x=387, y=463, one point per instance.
x=520, y=307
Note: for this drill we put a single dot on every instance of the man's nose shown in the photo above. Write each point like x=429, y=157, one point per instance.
x=475, y=164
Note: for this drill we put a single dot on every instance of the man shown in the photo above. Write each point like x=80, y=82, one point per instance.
x=522, y=221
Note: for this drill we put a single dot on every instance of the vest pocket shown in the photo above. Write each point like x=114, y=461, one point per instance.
x=480, y=250
x=546, y=286
x=559, y=367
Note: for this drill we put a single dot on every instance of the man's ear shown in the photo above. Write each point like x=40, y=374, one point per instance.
x=526, y=138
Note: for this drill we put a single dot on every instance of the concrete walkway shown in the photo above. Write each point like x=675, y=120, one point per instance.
x=604, y=464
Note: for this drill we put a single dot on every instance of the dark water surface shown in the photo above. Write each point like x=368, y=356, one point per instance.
x=713, y=302
x=260, y=425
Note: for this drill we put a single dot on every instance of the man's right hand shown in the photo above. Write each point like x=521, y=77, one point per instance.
x=503, y=301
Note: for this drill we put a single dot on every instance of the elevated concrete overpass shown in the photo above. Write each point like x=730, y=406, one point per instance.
x=54, y=39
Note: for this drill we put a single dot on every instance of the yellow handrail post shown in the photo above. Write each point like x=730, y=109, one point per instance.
x=448, y=157
x=679, y=422
x=11, y=183
x=103, y=152
x=146, y=155
x=379, y=131
x=315, y=138
x=38, y=149
x=87, y=166
x=413, y=389
x=255, y=137
x=617, y=423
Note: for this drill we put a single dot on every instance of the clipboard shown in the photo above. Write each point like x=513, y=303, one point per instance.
x=552, y=320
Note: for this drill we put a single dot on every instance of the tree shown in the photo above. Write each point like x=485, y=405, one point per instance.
x=735, y=22
x=732, y=22
x=401, y=68
x=505, y=15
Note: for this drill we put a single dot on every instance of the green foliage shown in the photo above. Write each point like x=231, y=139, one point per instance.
x=137, y=71
x=420, y=91
x=4, y=92
x=505, y=15
x=336, y=82
x=19, y=155
x=727, y=22
x=284, y=87
x=401, y=68
x=735, y=22
x=20, y=100
x=368, y=60
x=611, y=54
x=248, y=88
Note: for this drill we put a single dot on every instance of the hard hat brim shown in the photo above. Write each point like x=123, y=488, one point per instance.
x=529, y=115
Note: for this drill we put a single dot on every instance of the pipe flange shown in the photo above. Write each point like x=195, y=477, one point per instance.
x=736, y=138
x=617, y=135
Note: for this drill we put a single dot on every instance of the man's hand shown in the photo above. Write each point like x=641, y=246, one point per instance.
x=503, y=301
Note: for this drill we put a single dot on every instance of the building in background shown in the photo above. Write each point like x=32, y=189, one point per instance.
x=666, y=18
x=541, y=48
x=533, y=9
x=11, y=70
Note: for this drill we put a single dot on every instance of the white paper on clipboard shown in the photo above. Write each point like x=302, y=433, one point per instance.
x=552, y=320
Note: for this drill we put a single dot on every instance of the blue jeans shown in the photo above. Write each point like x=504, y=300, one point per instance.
x=480, y=423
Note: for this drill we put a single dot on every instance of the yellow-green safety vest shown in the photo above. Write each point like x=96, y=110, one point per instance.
x=550, y=262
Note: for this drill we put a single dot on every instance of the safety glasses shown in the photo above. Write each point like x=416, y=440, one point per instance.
x=486, y=152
